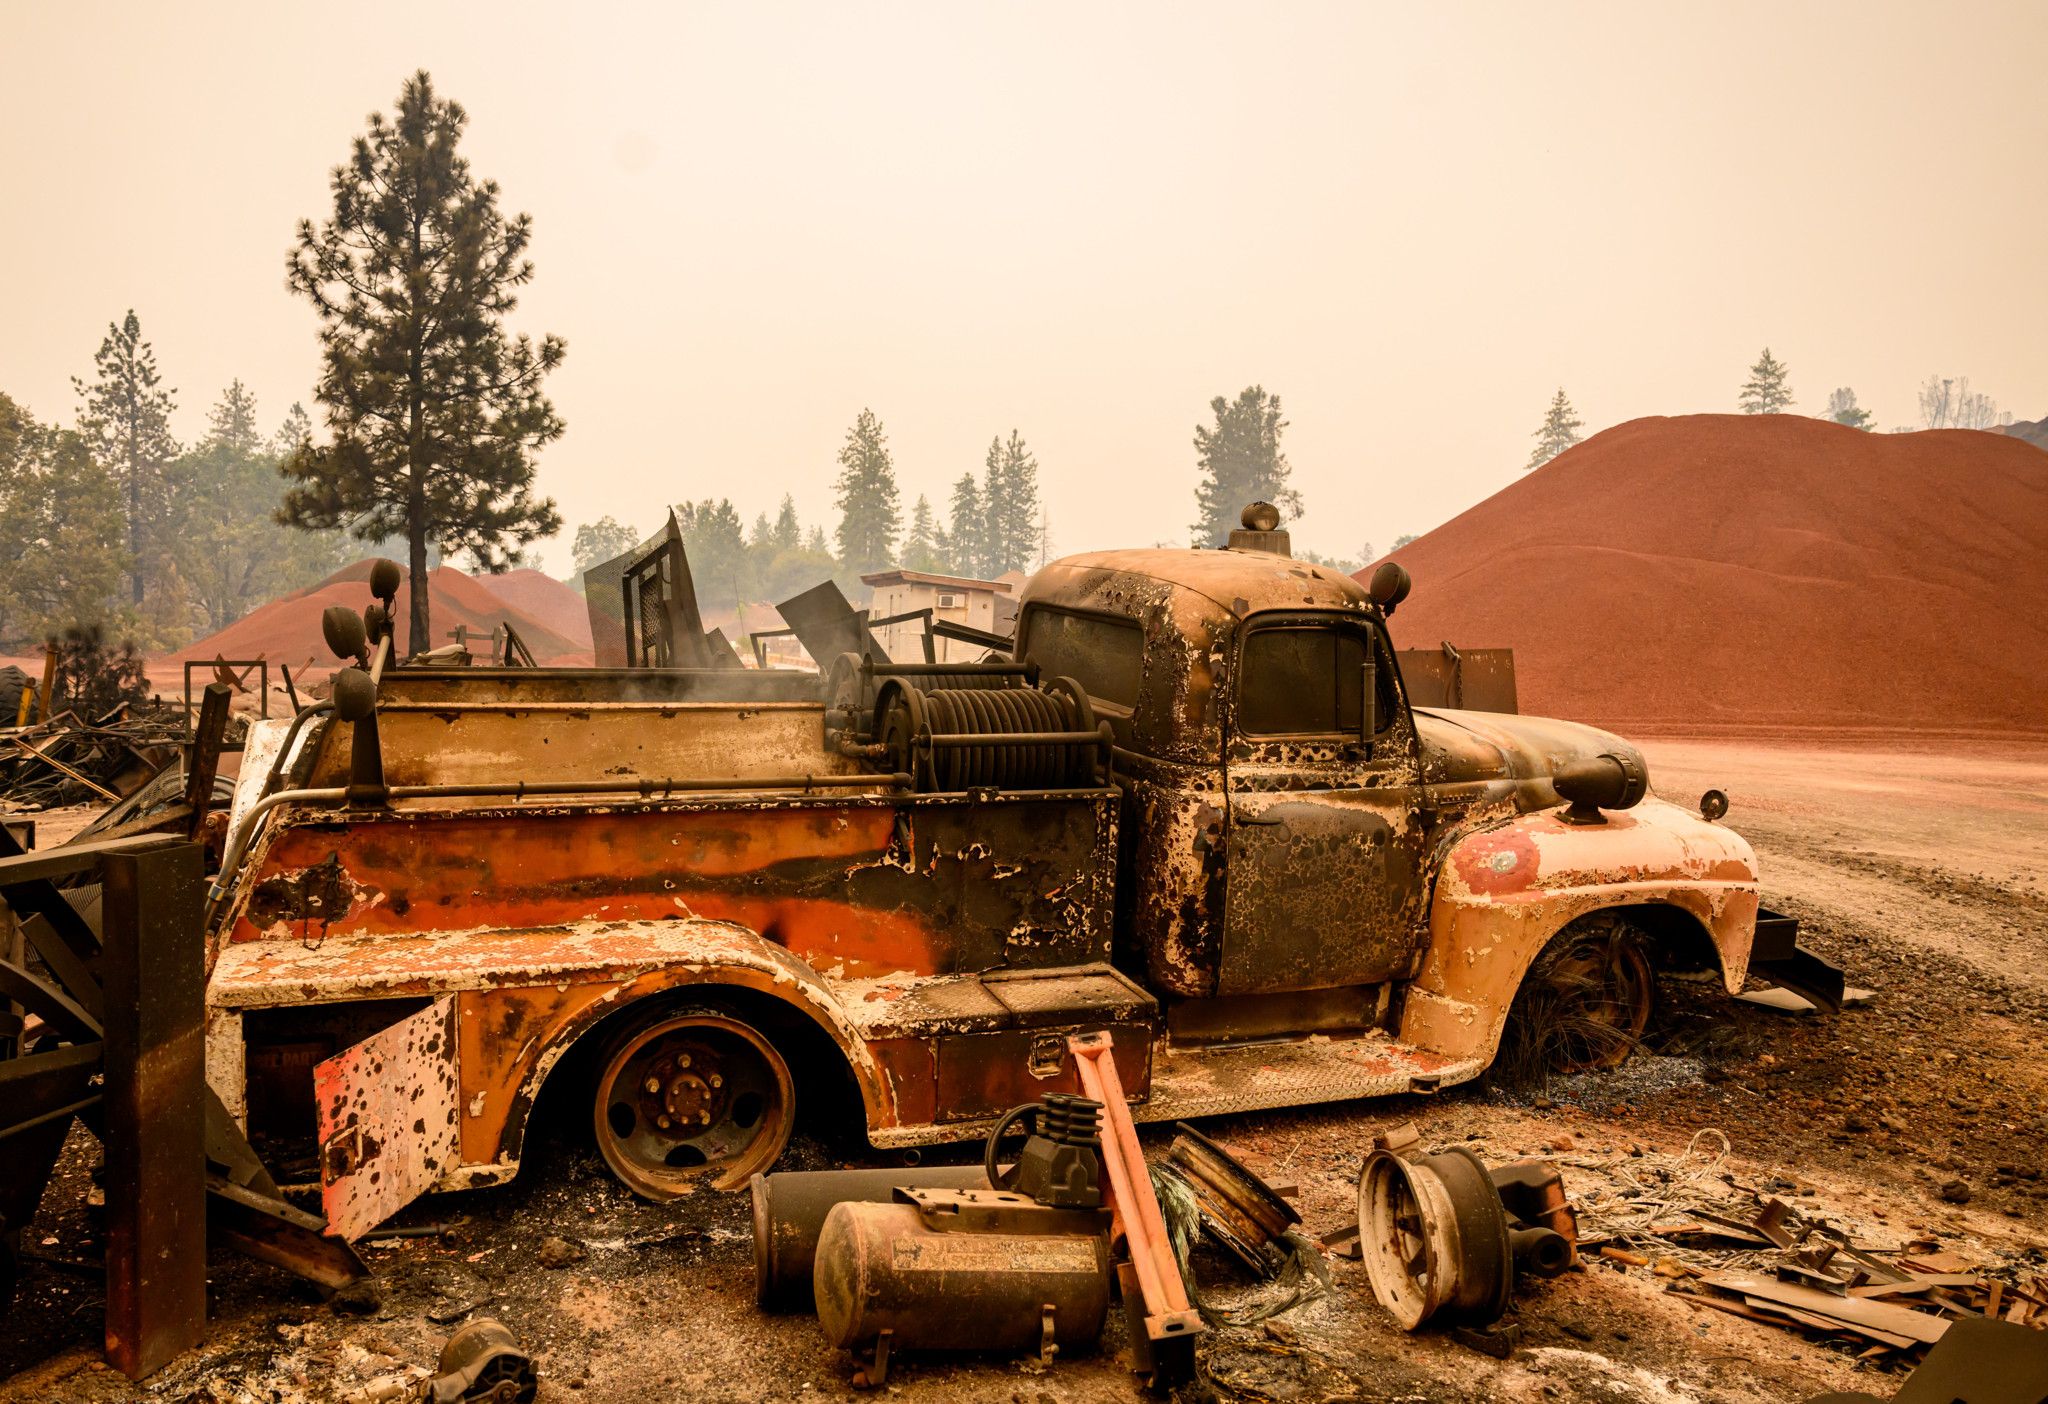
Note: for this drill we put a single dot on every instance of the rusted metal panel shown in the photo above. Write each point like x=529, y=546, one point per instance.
x=925, y=884
x=388, y=1116
x=437, y=743
x=1475, y=679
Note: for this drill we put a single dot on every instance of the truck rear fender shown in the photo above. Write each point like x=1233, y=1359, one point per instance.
x=515, y=1038
x=1504, y=891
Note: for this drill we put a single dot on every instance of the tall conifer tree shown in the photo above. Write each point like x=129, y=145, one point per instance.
x=1558, y=432
x=968, y=531
x=435, y=410
x=1766, y=390
x=869, y=518
x=1240, y=461
x=125, y=421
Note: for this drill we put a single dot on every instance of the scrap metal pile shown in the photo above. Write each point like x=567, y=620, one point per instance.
x=1738, y=1245
x=70, y=759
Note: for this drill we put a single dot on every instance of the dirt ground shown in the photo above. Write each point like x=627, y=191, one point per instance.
x=1921, y=873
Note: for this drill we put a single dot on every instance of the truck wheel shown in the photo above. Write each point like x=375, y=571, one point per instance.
x=1585, y=1003
x=693, y=1097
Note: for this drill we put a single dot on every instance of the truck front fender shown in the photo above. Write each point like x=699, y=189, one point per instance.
x=1502, y=892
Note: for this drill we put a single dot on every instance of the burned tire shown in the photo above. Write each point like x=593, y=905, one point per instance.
x=692, y=1096
x=1584, y=1004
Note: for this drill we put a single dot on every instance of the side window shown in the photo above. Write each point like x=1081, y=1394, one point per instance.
x=1300, y=682
x=1307, y=680
x=1106, y=656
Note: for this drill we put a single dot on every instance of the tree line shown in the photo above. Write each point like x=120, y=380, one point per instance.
x=117, y=524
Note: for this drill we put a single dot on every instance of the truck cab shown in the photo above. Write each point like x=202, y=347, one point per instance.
x=1191, y=804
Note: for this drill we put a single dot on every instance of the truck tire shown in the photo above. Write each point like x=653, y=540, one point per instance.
x=691, y=1095
x=1585, y=1002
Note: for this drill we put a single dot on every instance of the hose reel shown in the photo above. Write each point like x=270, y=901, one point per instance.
x=1017, y=738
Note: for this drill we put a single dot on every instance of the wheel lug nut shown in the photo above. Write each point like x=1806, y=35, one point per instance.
x=704, y=1117
x=683, y=1060
x=717, y=1081
x=653, y=1084
x=662, y=1122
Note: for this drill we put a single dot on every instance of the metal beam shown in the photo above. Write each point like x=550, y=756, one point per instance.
x=153, y=975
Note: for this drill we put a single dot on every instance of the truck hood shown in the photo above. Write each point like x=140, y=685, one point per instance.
x=1465, y=747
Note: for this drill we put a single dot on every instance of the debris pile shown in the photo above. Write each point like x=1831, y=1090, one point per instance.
x=1740, y=1246
x=1756, y=575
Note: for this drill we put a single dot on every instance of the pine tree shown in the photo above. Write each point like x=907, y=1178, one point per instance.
x=1010, y=506
x=1765, y=392
x=1241, y=463
x=788, y=536
x=1559, y=431
x=296, y=430
x=920, y=547
x=126, y=423
x=968, y=529
x=1044, y=542
x=436, y=412
x=1843, y=409
x=869, y=519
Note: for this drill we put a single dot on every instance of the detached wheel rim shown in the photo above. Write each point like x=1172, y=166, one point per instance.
x=694, y=1098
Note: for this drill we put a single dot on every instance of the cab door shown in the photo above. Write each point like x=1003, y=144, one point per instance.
x=1324, y=836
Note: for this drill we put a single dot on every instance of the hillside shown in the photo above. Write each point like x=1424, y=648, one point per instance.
x=1733, y=574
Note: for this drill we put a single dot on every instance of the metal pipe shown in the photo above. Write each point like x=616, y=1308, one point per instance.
x=955, y=739
x=383, y=656
x=517, y=789
x=238, y=841
x=899, y=670
x=277, y=762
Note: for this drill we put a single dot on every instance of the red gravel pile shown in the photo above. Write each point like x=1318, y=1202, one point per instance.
x=1729, y=574
x=287, y=630
x=545, y=600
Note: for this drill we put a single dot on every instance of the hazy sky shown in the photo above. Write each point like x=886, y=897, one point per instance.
x=1412, y=222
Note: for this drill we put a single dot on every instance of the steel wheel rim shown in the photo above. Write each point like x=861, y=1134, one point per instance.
x=1608, y=988
x=723, y=1090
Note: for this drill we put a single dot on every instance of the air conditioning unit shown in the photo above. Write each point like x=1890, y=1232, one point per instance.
x=950, y=602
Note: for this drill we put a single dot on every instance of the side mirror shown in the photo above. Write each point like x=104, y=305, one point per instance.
x=1390, y=585
x=343, y=629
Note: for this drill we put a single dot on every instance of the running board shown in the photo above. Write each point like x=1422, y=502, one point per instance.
x=1219, y=1081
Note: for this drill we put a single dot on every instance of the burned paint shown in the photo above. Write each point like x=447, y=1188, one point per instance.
x=1506, y=890
x=944, y=943
x=387, y=1120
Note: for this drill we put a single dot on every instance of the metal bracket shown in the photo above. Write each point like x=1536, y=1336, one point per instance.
x=873, y=1372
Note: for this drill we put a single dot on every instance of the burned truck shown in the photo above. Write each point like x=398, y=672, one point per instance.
x=1190, y=803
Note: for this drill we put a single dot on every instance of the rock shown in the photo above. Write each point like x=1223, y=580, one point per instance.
x=1954, y=1192
x=560, y=1253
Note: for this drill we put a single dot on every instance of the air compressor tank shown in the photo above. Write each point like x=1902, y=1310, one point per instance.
x=790, y=1209
x=961, y=1270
